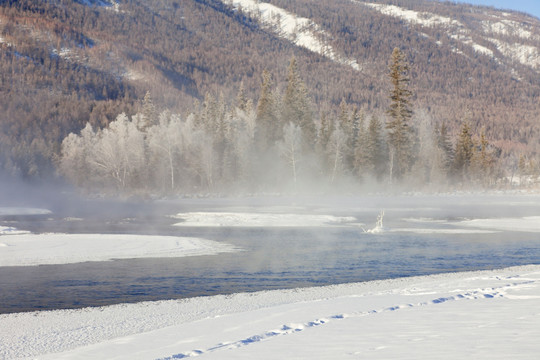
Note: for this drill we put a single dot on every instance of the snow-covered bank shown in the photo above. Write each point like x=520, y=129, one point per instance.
x=40, y=249
x=9, y=230
x=480, y=315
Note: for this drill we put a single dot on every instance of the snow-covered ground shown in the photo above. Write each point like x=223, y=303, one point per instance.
x=299, y=30
x=475, y=315
x=480, y=315
x=24, y=249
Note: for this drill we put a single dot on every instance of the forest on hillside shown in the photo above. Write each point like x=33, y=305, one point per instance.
x=281, y=144
x=65, y=64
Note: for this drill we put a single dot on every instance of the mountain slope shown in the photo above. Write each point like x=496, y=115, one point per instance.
x=66, y=62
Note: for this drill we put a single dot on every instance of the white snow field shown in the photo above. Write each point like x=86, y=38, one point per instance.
x=474, y=315
x=24, y=249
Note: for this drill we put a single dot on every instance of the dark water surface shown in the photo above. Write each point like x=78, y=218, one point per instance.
x=273, y=258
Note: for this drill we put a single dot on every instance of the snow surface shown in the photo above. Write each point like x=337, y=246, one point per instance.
x=474, y=315
x=423, y=18
x=459, y=31
x=41, y=249
x=507, y=27
x=299, y=30
x=9, y=230
x=211, y=219
x=525, y=54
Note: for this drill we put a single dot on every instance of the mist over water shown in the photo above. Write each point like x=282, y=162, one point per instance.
x=422, y=235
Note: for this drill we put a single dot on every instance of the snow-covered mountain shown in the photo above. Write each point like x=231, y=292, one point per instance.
x=503, y=36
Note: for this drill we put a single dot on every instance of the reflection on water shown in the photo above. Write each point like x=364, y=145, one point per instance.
x=274, y=258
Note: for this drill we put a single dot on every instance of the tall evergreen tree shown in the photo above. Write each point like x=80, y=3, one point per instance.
x=266, y=131
x=445, y=146
x=483, y=162
x=357, y=123
x=241, y=98
x=376, y=146
x=400, y=113
x=345, y=122
x=297, y=106
x=464, y=152
x=149, y=112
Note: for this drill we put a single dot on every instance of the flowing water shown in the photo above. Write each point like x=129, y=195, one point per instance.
x=414, y=241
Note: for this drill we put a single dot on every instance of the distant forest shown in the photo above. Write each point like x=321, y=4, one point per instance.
x=65, y=65
x=281, y=144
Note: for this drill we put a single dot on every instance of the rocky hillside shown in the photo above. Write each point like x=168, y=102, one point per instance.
x=66, y=62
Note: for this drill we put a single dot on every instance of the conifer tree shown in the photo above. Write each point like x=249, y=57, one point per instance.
x=149, y=112
x=445, y=146
x=463, y=153
x=344, y=120
x=483, y=161
x=357, y=123
x=522, y=168
x=376, y=147
x=241, y=99
x=266, y=132
x=325, y=131
x=296, y=104
x=400, y=113
x=361, y=165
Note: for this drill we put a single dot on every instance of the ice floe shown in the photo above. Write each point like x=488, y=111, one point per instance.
x=212, y=219
x=43, y=249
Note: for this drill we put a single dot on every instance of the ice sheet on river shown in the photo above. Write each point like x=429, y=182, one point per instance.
x=42, y=249
x=17, y=211
x=526, y=224
x=211, y=219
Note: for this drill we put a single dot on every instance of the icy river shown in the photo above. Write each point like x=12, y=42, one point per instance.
x=279, y=243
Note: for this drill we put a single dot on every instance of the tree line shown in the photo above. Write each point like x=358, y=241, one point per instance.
x=279, y=143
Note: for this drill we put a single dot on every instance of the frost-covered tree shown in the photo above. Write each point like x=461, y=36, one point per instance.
x=290, y=148
x=119, y=153
x=425, y=150
x=336, y=149
x=75, y=157
x=165, y=143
